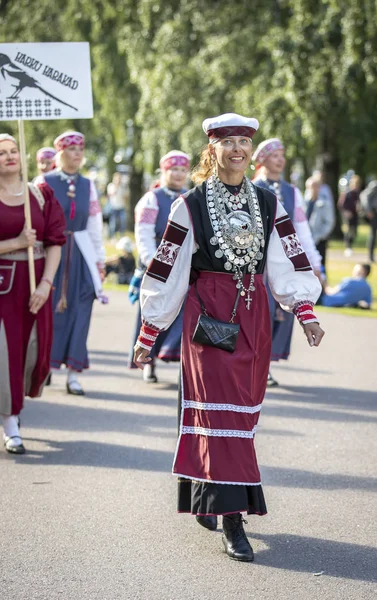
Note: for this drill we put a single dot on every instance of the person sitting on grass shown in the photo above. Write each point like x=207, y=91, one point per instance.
x=123, y=265
x=352, y=291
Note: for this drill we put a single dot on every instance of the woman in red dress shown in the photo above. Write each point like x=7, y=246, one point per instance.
x=223, y=236
x=25, y=320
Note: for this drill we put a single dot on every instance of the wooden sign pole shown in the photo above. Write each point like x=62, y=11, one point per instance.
x=30, y=250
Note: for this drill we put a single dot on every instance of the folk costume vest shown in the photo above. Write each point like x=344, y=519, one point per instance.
x=205, y=258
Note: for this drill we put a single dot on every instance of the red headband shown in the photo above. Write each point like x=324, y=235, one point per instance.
x=231, y=130
x=174, y=161
x=70, y=139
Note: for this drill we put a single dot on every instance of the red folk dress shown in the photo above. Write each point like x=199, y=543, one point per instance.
x=25, y=339
x=222, y=393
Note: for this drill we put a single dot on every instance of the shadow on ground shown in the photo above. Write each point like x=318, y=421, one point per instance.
x=95, y=454
x=313, y=555
x=297, y=478
x=69, y=417
x=320, y=398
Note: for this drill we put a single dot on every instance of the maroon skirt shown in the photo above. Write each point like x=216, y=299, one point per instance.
x=222, y=392
x=25, y=339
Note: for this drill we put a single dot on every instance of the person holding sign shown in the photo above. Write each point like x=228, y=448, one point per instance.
x=78, y=279
x=25, y=321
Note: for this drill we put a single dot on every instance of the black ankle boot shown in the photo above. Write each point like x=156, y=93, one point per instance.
x=234, y=539
x=209, y=522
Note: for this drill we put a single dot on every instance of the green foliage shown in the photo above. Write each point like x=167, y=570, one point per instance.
x=307, y=69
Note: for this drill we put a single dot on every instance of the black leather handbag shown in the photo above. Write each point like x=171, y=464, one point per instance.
x=218, y=334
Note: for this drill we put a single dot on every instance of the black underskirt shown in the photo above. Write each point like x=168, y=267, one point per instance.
x=203, y=498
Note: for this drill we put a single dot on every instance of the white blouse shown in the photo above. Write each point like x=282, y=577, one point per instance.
x=301, y=224
x=146, y=212
x=161, y=300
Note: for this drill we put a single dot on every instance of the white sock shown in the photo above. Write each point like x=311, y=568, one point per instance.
x=11, y=430
x=72, y=380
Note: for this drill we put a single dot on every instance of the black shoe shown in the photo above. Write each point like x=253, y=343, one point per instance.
x=149, y=375
x=48, y=380
x=271, y=382
x=75, y=391
x=234, y=539
x=208, y=522
x=19, y=449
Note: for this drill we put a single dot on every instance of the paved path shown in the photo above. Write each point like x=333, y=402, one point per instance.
x=89, y=512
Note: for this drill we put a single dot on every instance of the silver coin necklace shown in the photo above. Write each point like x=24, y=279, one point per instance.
x=238, y=234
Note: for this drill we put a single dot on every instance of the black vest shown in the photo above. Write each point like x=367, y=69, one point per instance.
x=204, y=259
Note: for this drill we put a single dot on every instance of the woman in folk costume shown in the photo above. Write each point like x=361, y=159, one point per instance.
x=270, y=159
x=25, y=321
x=151, y=217
x=223, y=235
x=45, y=163
x=78, y=279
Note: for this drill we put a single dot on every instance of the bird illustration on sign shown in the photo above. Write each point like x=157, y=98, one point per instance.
x=8, y=68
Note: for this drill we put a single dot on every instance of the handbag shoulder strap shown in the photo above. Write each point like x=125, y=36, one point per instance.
x=204, y=310
x=38, y=195
x=234, y=311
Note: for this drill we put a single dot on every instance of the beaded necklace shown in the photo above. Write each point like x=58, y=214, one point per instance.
x=71, y=179
x=275, y=187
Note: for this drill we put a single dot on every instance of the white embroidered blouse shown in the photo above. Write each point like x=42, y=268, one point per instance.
x=166, y=282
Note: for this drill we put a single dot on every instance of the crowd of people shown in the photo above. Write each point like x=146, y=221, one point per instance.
x=219, y=274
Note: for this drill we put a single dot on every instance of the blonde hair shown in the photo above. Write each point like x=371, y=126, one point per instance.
x=205, y=168
x=355, y=182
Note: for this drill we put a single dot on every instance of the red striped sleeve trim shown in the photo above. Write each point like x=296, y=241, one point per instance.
x=284, y=226
x=301, y=262
x=175, y=233
x=304, y=312
x=159, y=270
x=147, y=336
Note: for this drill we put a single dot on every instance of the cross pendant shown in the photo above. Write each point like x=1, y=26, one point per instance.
x=248, y=301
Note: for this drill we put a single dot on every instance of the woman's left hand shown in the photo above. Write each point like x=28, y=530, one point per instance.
x=39, y=297
x=314, y=333
x=102, y=273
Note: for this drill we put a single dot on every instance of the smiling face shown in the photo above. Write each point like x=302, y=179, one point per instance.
x=72, y=158
x=9, y=158
x=275, y=163
x=232, y=156
x=175, y=177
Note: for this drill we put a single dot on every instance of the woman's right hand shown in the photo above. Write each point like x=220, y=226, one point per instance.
x=141, y=356
x=27, y=238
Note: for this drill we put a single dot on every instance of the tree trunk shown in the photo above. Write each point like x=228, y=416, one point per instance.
x=136, y=178
x=331, y=172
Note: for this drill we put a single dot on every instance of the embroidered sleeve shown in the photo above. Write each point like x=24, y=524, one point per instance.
x=146, y=213
x=292, y=281
x=167, y=252
x=94, y=205
x=303, y=231
x=94, y=225
x=166, y=281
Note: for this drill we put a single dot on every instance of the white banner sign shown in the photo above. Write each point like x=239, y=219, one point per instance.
x=45, y=81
